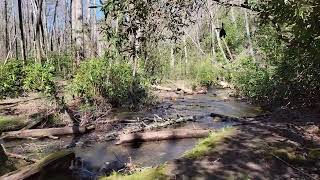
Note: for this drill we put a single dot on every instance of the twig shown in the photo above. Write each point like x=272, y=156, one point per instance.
x=286, y=163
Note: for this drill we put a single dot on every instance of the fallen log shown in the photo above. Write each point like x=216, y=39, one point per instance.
x=179, y=90
x=163, y=135
x=60, y=160
x=41, y=133
x=162, y=88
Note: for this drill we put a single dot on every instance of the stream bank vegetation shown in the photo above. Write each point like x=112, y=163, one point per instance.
x=208, y=144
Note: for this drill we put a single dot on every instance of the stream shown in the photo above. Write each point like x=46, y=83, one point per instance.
x=94, y=156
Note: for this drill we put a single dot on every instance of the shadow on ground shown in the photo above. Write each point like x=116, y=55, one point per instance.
x=248, y=155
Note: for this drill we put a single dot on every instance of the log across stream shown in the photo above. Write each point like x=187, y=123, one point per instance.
x=95, y=155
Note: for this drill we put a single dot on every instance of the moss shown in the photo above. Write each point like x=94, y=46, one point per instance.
x=208, y=144
x=11, y=123
x=157, y=173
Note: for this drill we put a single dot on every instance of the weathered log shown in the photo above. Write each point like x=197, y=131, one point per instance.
x=179, y=90
x=163, y=88
x=40, y=133
x=163, y=135
x=59, y=160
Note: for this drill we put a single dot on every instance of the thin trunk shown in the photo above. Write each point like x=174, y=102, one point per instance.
x=77, y=29
x=15, y=33
x=172, y=56
x=44, y=29
x=7, y=38
x=38, y=30
x=197, y=45
x=23, y=45
x=65, y=30
x=214, y=56
x=228, y=49
x=94, y=29
x=248, y=33
x=53, y=26
x=185, y=54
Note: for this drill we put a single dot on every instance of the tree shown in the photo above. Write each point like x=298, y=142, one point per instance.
x=23, y=43
x=77, y=29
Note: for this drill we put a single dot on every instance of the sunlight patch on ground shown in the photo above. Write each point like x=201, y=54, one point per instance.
x=208, y=144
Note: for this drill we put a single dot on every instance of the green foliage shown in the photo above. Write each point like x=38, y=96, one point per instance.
x=158, y=173
x=250, y=79
x=96, y=78
x=90, y=78
x=292, y=46
x=205, y=73
x=11, y=76
x=63, y=64
x=208, y=144
x=39, y=78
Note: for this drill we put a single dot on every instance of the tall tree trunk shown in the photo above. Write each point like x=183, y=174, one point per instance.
x=38, y=30
x=16, y=39
x=7, y=38
x=248, y=33
x=53, y=29
x=211, y=15
x=23, y=45
x=77, y=29
x=94, y=30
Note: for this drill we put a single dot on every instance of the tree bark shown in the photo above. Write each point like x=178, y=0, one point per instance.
x=172, y=62
x=7, y=38
x=23, y=45
x=77, y=29
x=53, y=30
x=162, y=135
x=185, y=55
x=38, y=29
x=40, y=133
x=248, y=33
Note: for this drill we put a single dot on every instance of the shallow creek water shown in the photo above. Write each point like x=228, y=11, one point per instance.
x=94, y=157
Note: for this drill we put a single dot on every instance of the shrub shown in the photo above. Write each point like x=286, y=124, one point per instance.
x=39, y=78
x=95, y=79
x=11, y=76
x=205, y=73
x=63, y=64
x=250, y=79
x=89, y=79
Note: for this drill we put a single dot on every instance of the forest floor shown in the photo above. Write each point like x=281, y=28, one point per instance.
x=283, y=145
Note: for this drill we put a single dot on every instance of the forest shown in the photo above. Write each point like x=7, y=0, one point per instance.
x=159, y=89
